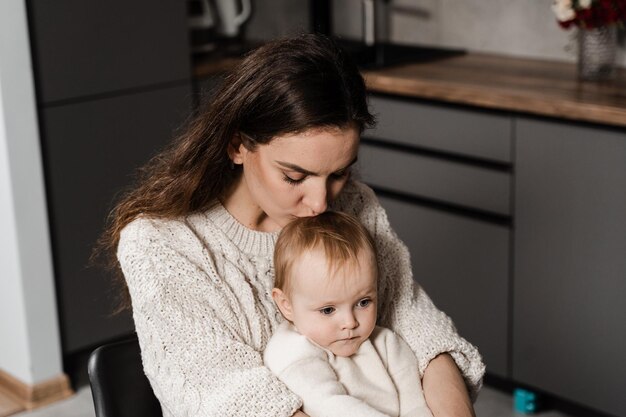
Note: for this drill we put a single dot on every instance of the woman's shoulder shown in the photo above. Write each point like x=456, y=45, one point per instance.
x=147, y=229
x=360, y=201
x=167, y=229
x=189, y=236
x=355, y=197
x=154, y=234
x=356, y=187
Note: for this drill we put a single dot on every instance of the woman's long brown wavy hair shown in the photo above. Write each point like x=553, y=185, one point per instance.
x=285, y=86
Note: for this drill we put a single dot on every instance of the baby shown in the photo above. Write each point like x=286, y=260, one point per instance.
x=329, y=351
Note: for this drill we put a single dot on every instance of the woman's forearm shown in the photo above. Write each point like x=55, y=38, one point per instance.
x=445, y=390
x=300, y=413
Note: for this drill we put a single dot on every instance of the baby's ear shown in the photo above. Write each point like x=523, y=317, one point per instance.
x=283, y=303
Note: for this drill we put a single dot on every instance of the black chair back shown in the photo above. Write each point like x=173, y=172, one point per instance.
x=118, y=384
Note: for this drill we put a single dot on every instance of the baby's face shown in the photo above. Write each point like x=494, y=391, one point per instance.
x=334, y=308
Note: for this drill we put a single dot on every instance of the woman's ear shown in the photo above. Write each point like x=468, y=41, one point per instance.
x=283, y=303
x=236, y=149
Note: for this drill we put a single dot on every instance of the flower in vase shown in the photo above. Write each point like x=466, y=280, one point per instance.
x=589, y=14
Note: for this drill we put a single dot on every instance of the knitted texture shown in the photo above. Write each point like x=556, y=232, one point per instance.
x=201, y=296
x=379, y=380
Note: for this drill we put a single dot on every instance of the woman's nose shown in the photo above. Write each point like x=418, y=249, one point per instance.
x=317, y=199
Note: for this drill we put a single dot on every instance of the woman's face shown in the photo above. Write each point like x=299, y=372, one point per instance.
x=292, y=176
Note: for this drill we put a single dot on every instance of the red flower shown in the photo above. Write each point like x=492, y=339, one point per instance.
x=600, y=13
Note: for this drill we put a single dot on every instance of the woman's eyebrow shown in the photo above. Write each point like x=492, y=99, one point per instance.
x=301, y=170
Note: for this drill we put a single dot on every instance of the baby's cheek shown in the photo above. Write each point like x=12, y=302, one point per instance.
x=320, y=336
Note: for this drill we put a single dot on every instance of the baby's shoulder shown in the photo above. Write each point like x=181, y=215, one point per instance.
x=287, y=347
x=383, y=334
x=388, y=341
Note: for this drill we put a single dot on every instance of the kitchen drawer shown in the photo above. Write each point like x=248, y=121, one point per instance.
x=463, y=264
x=437, y=179
x=85, y=47
x=459, y=131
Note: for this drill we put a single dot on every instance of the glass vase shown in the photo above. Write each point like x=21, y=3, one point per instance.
x=597, y=53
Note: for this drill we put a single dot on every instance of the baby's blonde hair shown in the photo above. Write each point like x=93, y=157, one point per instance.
x=340, y=235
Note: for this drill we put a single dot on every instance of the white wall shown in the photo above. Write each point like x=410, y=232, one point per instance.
x=30, y=348
x=523, y=28
x=274, y=18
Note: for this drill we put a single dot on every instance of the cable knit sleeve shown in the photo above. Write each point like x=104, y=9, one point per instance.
x=404, y=305
x=192, y=349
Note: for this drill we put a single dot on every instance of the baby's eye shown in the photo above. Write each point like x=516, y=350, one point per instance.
x=364, y=303
x=327, y=310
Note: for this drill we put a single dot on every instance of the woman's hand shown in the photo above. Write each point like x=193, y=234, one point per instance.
x=299, y=413
x=445, y=390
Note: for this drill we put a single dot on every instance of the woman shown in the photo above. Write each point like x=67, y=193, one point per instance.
x=195, y=237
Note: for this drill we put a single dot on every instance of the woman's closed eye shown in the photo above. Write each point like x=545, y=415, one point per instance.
x=340, y=174
x=335, y=176
x=293, y=181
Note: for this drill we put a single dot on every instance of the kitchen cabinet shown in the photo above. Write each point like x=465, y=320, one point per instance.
x=447, y=192
x=570, y=266
x=538, y=284
x=204, y=88
x=84, y=48
x=436, y=178
x=91, y=151
x=463, y=264
x=113, y=81
x=452, y=129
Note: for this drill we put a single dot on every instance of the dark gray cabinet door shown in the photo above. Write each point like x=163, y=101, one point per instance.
x=463, y=264
x=436, y=179
x=570, y=262
x=453, y=129
x=90, y=151
x=87, y=47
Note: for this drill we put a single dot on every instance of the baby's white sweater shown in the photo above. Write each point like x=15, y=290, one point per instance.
x=201, y=295
x=380, y=380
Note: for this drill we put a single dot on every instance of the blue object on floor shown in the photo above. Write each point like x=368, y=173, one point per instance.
x=524, y=401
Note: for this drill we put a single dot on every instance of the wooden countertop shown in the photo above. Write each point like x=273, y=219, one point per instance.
x=532, y=86
x=538, y=87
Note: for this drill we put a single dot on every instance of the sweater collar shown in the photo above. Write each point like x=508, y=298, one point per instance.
x=252, y=242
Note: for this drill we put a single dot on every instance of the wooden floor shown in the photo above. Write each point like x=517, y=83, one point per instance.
x=491, y=403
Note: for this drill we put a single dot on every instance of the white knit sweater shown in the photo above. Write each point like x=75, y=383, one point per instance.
x=201, y=295
x=380, y=380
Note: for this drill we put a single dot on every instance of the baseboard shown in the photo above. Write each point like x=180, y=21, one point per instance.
x=8, y=406
x=29, y=397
